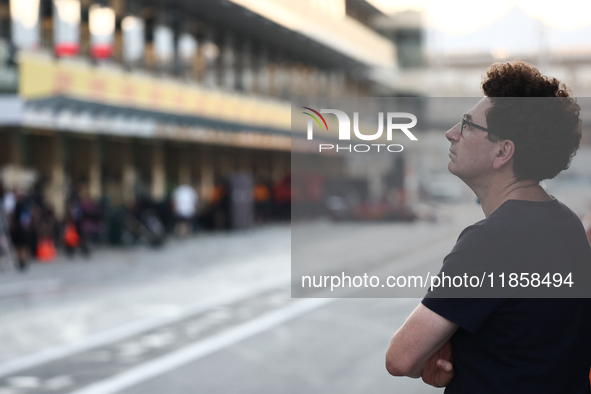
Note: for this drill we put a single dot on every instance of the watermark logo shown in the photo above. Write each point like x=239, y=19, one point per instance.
x=345, y=129
x=316, y=119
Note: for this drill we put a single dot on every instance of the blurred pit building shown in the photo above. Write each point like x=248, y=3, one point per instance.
x=138, y=96
x=135, y=97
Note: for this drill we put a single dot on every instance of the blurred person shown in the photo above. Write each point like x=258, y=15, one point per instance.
x=491, y=345
x=44, y=224
x=46, y=235
x=74, y=236
x=217, y=215
x=92, y=222
x=284, y=193
x=5, y=241
x=184, y=203
x=39, y=207
x=22, y=223
x=2, y=193
x=8, y=201
x=263, y=204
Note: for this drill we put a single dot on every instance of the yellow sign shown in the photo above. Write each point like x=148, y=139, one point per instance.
x=42, y=76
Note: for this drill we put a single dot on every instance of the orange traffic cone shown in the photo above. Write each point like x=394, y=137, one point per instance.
x=71, y=237
x=46, y=250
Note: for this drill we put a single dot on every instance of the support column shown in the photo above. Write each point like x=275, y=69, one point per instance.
x=277, y=75
x=207, y=176
x=245, y=163
x=128, y=174
x=226, y=161
x=184, y=167
x=246, y=81
x=262, y=166
x=94, y=172
x=57, y=186
x=16, y=158
x=228, y=62
x=286, y=161
x=211, y=53
x=263, y=71
x=158, y=173
x=277, y=171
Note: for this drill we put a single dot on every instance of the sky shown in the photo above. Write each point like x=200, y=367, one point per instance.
x=513, y=26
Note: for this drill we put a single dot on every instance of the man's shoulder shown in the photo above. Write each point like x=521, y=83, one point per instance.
x=475, y=233
x=518, y=210
x=519, y=218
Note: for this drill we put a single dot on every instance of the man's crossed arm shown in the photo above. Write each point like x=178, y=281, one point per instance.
x=422, y=348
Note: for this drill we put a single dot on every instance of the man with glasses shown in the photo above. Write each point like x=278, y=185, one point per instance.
x=502, y=148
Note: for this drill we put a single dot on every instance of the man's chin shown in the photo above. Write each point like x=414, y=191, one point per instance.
x=450, y=167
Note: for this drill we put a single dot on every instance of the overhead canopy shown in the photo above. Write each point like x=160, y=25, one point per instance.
x=339, y=33
x=67, y=114
x=299, y=29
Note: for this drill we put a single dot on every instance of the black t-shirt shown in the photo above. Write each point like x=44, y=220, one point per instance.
x=537, y=345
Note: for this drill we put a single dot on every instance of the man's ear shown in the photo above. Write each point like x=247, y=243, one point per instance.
x=504, y=153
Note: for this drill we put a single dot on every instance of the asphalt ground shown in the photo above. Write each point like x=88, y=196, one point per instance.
x=209, y=314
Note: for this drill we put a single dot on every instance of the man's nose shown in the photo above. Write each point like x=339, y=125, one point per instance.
x=453, y=134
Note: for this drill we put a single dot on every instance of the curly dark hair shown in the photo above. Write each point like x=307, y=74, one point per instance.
x=536, y=113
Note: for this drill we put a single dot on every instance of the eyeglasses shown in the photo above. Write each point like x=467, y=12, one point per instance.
x=465, y=122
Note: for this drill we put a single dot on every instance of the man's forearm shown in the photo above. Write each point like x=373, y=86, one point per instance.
x=423, y=334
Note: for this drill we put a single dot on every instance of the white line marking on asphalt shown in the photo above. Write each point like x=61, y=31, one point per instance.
x=133, y=329
x=58, y=383
x=139, y=327
x=24, y=382
x=202, y=348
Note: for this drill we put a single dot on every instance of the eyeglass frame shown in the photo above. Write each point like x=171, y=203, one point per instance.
x=467, y=122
